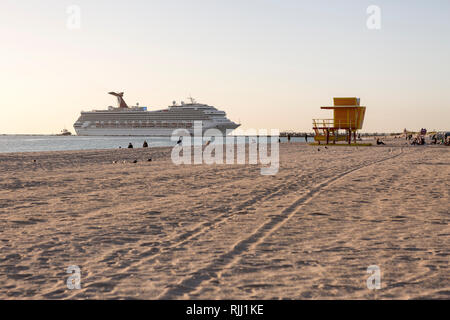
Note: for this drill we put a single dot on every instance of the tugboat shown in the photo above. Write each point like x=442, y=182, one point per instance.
x=65, y=132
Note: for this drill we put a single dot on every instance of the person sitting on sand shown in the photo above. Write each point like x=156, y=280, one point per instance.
x=145, y=145
x=434, y=139
x=130, y=146
x=420, y=141
x=379, y=141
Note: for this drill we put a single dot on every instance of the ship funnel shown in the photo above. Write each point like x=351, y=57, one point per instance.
x=120, y=102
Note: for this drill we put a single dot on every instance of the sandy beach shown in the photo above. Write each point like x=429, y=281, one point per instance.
x=154, y=230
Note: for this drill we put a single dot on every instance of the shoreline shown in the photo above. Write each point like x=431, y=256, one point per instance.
x=359, y=144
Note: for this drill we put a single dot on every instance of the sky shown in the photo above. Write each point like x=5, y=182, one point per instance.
x=270, y=64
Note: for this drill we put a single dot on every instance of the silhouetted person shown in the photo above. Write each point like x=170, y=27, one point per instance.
x=130, y=146
x=145, y=145
x=289, y=138
x=434, y=138
x=306, y=137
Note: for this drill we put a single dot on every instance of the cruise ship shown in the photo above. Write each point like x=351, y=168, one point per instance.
x=138, y=121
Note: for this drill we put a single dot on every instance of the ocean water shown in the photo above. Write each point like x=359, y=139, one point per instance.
x=36, y=143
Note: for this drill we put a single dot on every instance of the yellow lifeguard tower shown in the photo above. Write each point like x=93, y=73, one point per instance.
x=348, y=117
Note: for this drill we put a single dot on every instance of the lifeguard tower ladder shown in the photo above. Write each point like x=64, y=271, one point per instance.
x=348, y=118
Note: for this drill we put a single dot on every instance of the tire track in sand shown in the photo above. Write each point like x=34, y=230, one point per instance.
x=180, y=240
x=227, y=259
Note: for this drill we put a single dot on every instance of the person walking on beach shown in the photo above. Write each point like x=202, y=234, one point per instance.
x=130, y=146
x=289, y=138
x=145, y=145
x=306, y=137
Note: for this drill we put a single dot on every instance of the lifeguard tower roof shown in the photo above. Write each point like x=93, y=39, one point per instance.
x=343, y=102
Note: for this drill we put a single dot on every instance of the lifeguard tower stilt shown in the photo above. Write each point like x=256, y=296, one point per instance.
x=348, y=117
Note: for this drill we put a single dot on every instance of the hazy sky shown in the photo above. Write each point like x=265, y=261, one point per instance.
x=267, y=63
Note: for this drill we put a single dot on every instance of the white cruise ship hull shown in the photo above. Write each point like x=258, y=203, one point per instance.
x=155, y=132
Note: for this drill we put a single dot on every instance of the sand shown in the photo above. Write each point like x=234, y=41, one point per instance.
x=153, y=230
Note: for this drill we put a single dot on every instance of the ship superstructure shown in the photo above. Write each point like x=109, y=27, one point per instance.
x=138, y=121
